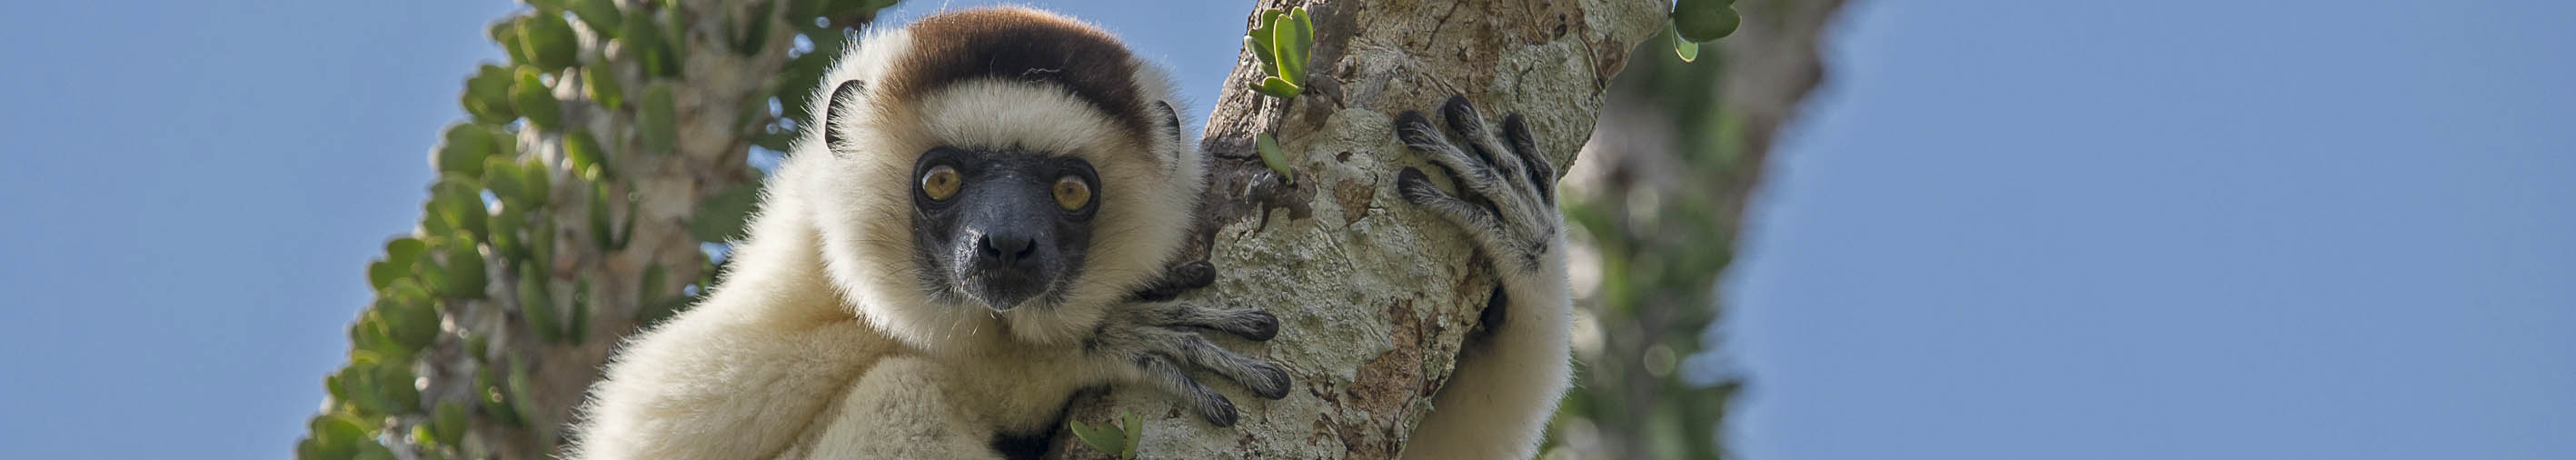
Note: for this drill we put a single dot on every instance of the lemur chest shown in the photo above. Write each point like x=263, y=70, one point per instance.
x=1019, y=391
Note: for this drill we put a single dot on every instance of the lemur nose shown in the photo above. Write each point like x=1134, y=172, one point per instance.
x=1008, y=249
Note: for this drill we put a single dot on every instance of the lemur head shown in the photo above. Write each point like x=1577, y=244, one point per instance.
x=997, y=167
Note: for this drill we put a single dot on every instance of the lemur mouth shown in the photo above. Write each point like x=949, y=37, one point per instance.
x=1001, y=291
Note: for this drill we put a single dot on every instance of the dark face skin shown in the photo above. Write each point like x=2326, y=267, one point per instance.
x=1000, y=228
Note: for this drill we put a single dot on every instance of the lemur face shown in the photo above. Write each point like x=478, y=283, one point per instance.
x=999, y=167
x=1001, y=228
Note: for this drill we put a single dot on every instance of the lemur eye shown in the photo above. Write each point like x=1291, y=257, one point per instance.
x=1071, y=192
x=941, y=182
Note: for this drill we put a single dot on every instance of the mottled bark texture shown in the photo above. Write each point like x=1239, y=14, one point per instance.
x=1374, y=297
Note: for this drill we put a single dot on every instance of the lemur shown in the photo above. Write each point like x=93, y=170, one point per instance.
x=1043, y=183
x=936, y=269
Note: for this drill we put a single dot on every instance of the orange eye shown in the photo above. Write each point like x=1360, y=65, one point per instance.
x=1071, y=193
x=941, y=182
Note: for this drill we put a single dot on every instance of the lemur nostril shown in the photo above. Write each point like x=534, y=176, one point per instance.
x=1006, y=248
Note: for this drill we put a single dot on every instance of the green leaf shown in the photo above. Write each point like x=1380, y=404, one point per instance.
x=1278, y=88
x=537, y=305
x=644, y=41
x=603, y=234
x=373, y=451
x=506, y=232
x=1104, y=438
x=358, y=379
x=721, y=217
x=541, y=244
x=506, y=32
x=381, y=274
x=1684, y=49
x=403, y=251
x=601, y=85
x=448, y=425
x=601, y=15
x=649, y=295
x=398, y=386
x=634, y=213
x=675, y=30
x=585, y=152
x=548, y=42
x=507, y=182
x=462, y=148
x=1274, y=157
x=335, y=436
x=487, y=95
x=459, y=203
x=496, y=400
x=1263, y=28
x=400, y=256
x=1260, y=50
x=408, y=316
x=535, y=175
x=535, y=100
x=1135, y=432
x=657, y=120
x=1705, y=21
x=1305, y=27
x=1289, y=43
x=465, y=275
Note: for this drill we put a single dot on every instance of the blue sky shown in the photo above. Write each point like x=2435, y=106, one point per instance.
x=2010, y=229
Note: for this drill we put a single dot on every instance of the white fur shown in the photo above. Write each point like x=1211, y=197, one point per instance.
x=1505, y=388
x=820, y=344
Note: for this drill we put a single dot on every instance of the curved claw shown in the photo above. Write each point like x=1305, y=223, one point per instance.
x=1261, y=327
x=1272, y=384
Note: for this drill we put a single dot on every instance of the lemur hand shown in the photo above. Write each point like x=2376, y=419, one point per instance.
x=1510, y=211
x=1160, y=341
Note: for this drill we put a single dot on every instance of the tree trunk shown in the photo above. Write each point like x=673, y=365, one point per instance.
x=1374, y=297
x=1690, y=142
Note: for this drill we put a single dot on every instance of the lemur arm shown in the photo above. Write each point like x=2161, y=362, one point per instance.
x=712, y=385
x=1506, y=384
x=901, y=409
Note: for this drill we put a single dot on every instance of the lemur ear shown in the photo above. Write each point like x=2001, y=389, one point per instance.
x=837, y=110
x=1171, y=126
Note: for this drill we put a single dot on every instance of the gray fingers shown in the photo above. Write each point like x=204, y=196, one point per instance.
x=1163, y=343
x=1541, y=171
x=1510, y=203
x=1163, y=374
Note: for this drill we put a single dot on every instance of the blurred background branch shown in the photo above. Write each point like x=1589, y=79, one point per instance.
x=588, y=194
x=1659, y=197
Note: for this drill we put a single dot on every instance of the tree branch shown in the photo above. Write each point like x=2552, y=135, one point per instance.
x=1374, y=298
